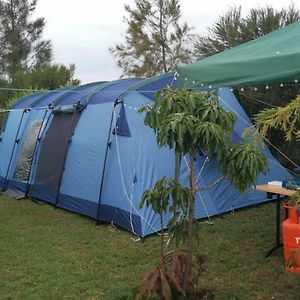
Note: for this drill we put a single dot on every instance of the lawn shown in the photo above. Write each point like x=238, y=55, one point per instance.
x=53, y=254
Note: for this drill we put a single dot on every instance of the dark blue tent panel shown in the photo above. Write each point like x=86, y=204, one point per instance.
x=27, y=101
x=112, y=91
x=98, y=159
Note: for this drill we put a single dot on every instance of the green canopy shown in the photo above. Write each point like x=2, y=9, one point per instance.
x=273, y=58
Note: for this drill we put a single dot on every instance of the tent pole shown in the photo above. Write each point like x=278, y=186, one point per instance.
x=13, y=150
x=105, y=160
x=34, y=152
x=66, y=152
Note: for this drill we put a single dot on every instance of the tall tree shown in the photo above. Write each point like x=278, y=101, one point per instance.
x=156, y=42
x=21, y=41
x=232, y=29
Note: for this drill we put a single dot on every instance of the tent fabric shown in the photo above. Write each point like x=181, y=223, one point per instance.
x=273, y=58
x=124, y=157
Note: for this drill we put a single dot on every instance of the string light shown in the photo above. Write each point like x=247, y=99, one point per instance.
x=267, y=87
x=242, y=89
x=255, y=88
x=281, y=84
x=296, y=80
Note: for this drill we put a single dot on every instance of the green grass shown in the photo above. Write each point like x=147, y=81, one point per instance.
x=53, y=254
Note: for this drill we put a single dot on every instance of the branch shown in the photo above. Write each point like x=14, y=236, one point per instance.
x=211, y=185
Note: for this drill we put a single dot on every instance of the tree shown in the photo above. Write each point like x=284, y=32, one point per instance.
x=155, y=40
x=232, y=29
x=194, y=122
x=48, y=77
x=20, y=39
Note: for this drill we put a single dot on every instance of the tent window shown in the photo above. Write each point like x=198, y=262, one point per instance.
x=26, y=153
x=122, y=127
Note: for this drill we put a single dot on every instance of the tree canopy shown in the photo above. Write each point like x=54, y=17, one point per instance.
x=156, y=41
x=25, y=57
x=21, y=43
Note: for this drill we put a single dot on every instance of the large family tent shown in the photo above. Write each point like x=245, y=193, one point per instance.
x=87, y=150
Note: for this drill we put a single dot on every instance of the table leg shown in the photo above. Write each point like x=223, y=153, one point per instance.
x=278, y=243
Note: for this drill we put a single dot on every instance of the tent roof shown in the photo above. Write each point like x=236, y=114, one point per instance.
x=273, y=58
x=92, y=93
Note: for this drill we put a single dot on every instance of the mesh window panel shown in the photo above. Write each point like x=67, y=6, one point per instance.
x=26, y=153
x=54, y=148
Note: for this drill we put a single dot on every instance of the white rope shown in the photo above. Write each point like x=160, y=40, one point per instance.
x=202, y=168
x=174, y=78
x=124, y=186
x=198, y=193
x=36, y=108
x=249, y=124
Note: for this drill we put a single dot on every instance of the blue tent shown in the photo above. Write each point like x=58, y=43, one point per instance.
x=86, y=149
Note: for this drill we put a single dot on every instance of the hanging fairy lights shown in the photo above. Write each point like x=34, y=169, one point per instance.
x=242, y=88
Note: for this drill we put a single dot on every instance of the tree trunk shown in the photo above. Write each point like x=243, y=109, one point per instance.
x=162, y=37
x=189, y=244
x=161, y=236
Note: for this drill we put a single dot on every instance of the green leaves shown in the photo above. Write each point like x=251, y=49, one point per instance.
x=188, y=120
x=242, y=164
x=166, y=195
x=286, y=118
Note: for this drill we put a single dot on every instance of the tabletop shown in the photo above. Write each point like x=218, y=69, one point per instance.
x=274, y=189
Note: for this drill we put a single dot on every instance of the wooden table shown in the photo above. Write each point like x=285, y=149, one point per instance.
x=272, y=190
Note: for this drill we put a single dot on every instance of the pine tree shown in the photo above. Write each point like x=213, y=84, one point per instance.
x=156, y=42
x=21, y=44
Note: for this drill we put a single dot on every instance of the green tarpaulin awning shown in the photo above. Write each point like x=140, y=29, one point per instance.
x=273, y=58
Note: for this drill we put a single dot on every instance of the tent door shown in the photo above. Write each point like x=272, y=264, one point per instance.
x=54, y=149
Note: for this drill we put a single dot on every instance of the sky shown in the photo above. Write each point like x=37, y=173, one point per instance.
x=82, y=31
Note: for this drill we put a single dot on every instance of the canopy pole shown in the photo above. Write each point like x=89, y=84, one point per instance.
x=116, y=102
x=16, y=141
x=28, y=183
x=71, y=133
